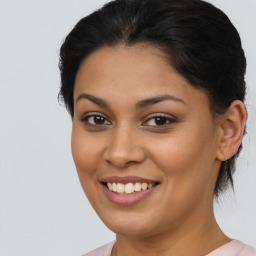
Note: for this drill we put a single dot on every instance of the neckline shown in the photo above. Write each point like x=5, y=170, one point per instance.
x=221, y=247
x=209, y=254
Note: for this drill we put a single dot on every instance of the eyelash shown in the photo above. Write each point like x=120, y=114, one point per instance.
x=168, y=121
x=86, y=120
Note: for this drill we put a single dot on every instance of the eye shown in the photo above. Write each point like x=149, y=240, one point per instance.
x=159, y=121
x=95, y=120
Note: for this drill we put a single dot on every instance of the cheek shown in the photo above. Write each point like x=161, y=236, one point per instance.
x=86, y=154
x=174, y=153
x=186, y=159
x=187, y=174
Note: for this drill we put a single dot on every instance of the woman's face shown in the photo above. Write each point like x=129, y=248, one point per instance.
x=143, y=129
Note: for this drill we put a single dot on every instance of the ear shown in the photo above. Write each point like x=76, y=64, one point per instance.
x=231, y=130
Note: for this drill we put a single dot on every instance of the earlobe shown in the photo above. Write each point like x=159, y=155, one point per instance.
x=232, y=130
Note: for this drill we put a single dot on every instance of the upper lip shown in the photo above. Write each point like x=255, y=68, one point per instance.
x=127, y=179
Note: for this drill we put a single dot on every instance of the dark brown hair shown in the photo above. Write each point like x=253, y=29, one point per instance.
x=199, y=40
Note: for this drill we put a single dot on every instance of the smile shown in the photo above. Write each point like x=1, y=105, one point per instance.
x=127, y=190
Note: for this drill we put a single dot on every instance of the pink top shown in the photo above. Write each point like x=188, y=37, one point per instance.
x=233, y=248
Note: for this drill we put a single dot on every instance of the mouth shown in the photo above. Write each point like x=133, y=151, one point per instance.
x=128, y=190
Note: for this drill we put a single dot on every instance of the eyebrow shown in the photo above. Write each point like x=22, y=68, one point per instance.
x=95, y=100
x=157, y=99
x=139, y=105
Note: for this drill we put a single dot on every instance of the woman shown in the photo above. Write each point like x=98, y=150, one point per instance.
x=155, y=89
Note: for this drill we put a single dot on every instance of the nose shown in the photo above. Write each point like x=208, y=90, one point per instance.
x=124, y=148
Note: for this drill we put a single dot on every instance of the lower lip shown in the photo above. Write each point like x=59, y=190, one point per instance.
x=127, y=199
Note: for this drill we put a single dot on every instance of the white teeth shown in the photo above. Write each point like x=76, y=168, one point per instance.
x=110, y=186
x=150, y=185
x=128, y=188
x=137, y=186
x=114, y=188
x=144, y=186
x=120, y=188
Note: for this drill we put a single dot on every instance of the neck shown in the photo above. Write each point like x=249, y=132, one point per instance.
x=193, y=237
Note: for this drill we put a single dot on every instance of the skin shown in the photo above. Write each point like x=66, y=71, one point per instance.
x=184, y=154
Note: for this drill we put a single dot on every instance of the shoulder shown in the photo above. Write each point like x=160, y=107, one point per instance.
x=234, y=248
x=104, y=250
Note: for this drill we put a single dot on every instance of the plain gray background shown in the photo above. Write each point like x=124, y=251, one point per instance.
x=43, y=210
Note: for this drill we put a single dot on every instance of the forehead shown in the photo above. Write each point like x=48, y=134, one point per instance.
x=130, y=73
x=122, y=61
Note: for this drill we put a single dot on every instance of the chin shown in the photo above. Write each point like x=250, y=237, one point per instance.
x=133, y=230
x=131, y=224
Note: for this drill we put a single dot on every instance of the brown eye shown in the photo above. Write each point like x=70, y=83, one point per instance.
x=96, y=120
x=99, y=120
x=159, y=121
